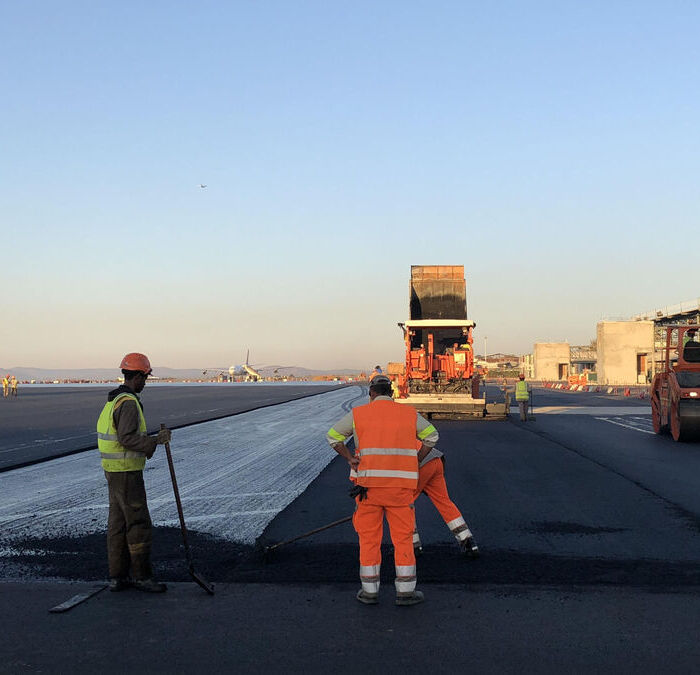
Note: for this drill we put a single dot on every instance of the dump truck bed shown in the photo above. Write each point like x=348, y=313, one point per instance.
x=437, y=292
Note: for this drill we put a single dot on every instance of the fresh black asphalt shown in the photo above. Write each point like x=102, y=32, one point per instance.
x=590, y=539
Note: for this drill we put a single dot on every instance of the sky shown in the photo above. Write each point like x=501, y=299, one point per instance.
x=552, y=148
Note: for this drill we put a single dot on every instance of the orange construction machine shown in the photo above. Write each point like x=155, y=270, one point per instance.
x=675, y=391
x=439, y=377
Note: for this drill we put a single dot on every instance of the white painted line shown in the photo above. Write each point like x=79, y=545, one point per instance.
x=587, y=410
x=622, y=424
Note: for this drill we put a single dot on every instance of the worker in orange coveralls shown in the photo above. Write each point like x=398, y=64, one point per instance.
x=431, y=482
x=385, y=471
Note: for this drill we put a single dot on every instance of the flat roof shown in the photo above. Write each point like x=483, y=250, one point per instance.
x=440, y=323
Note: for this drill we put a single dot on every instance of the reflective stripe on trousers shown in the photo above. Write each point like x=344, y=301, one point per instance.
x=369, y=576
x=459, y=529
x=405, y=579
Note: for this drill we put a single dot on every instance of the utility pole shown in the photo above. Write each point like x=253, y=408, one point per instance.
x=485, y=338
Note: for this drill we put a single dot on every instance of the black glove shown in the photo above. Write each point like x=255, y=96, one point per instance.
x=358, y=491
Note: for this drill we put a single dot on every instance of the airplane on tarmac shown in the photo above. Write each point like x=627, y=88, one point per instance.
x=251, y=375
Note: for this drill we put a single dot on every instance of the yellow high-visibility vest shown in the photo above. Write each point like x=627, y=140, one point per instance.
x=115, y=457
x=521, y=393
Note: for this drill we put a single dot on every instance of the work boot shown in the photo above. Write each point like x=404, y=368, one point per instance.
x=150, y=586
x=367, y=598
x=410, y=598
x=120, y=584
x=469, y=548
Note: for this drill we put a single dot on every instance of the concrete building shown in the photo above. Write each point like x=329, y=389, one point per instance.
x=625, y=352
x=552, y=360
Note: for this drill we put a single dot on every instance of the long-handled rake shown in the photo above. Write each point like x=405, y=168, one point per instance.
x=196, y=577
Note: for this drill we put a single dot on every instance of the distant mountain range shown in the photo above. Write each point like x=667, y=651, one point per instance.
x=99, y=374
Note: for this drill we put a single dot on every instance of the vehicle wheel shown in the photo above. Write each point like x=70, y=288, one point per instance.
x=675, y=419
x=659, y=427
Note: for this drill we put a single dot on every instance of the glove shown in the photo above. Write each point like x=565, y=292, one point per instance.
x=358, y=491
x=163, y=437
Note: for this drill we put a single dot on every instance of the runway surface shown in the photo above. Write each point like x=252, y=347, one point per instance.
x=589, y=528
x=48, y=421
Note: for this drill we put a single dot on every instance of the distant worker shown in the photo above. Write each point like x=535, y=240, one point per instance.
x=691, y=347
x=377, y=371
x=395, y=387
x=689, y=335
x=385, y=471
x=13, y=385
x=431, y=482
x=5, y=386
x=124, y=447
x=522, y=396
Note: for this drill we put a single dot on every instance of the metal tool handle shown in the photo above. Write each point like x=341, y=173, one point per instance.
x=308, y=534
x=183, y=527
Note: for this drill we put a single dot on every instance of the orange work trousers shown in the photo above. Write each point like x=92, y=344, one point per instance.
x=397, y=505
x=431, y=480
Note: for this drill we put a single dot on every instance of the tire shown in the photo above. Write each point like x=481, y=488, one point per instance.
x=659, y=427
x=675, y=422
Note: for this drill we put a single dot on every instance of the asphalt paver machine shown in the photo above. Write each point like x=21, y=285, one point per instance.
x=438, y=377
x=675, y=391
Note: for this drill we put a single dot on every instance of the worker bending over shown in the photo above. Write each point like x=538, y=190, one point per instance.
x=522, y=396
x=385, y=470
x=431, y=482
x=124, y=447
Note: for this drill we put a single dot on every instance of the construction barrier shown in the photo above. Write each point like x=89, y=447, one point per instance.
x=640, y=391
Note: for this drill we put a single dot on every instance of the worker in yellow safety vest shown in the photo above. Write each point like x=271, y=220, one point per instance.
x=5, y=386
x=385, y=471
x=124, y=446
x=522, y=396
x=13, y=385
x=395, y=387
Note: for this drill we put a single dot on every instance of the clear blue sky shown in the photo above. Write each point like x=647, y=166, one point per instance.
x=550, y=147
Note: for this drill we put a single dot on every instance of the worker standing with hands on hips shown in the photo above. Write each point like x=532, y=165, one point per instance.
x=124, y=446
x=522, y=396
x=385, y=471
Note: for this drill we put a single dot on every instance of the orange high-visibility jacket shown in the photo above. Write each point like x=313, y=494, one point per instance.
x=386, y=435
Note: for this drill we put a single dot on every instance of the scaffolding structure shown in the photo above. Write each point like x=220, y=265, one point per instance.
x=682, y=314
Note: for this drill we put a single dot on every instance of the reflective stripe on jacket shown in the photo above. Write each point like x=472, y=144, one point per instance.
x=521, y=393
x=386, y=434
x=115, y=457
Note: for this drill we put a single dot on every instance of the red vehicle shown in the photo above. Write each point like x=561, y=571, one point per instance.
x=675, y=392
x=439, y=377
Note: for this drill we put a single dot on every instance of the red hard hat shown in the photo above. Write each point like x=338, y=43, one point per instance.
x=136, y=361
